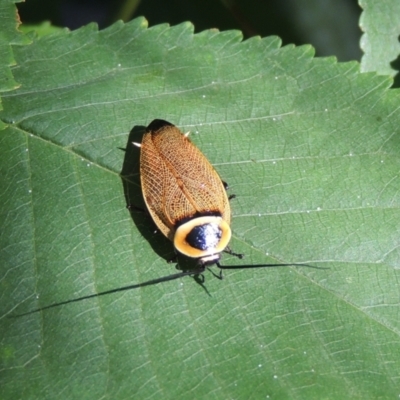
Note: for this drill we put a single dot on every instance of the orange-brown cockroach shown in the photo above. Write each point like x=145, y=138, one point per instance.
x=184, y=194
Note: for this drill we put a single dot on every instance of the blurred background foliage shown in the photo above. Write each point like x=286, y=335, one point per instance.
x=331, y=26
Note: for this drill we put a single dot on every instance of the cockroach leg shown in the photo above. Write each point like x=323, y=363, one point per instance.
x=229, y=251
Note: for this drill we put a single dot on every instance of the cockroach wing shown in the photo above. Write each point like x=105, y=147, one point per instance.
x=178, y=182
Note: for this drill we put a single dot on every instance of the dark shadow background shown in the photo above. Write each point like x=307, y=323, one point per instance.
x=331, y=27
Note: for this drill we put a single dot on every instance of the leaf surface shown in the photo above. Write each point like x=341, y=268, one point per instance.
x=310, y=147
x=380, y=22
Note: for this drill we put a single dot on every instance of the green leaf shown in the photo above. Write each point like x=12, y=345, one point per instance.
x=309, y=147
x=8, y=35
x=380, y=22
x=42, y=29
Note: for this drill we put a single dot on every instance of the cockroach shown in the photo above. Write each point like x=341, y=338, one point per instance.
x=184, y=194
x=187, y=200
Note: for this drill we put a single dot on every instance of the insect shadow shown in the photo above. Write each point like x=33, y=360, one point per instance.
x=130, y=177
